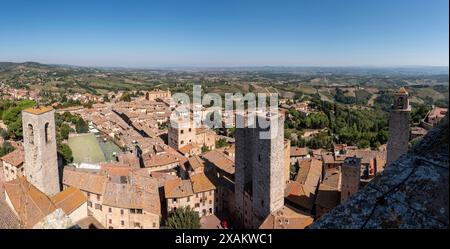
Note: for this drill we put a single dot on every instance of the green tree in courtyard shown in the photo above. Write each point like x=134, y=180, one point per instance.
x=183, y=218
x=222, y=142
x=66, y=153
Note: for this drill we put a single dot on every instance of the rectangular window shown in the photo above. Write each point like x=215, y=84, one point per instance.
x=110, y=210
x=132, y=211
x=139, y=211
x=89, y=203
x=121, y=211
x=122, y=223
x=137, y=224
x=98, y=197
x=110, y=221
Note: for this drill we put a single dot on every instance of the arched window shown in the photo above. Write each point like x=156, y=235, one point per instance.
x=47, y=134
x=30, y=133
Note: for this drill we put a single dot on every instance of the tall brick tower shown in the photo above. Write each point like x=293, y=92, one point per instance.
x=350, y=177
x=398, y=126
x=41, y=164
x=260, y=171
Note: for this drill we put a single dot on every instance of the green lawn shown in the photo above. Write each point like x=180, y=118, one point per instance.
x=85, y=148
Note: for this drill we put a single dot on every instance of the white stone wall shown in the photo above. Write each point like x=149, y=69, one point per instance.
x=10, y=172
x=80, y=213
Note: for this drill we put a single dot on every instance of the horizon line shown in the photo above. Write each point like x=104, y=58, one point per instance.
x=229, y=66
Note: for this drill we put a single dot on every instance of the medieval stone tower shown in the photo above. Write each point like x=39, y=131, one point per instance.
x=260, y=171
x=41, y=166
x=398, y=126
x=350, y=177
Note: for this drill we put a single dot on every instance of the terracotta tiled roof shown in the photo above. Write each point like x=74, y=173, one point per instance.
x=8, y=219
x=69, y=200
x=150, y=186
x=89, y=182
x=201, y=183
x=15, y=158
x=331, y=178
x=196, y=162
x=188, y=148
x=328, y=158
x=123, y=196
x=220, y=160
x=300, y=195
x=129, y=159
x=310, y=173
x=296, y=152
x=30, y=204
x=161, y=160
x=38, y=110
x=115, y=169
x=178, y=188
x=287, y=218
x=210, y=222
x=162, y=177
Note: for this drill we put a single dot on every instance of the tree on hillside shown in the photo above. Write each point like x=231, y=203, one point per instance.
x=5, y=148
x=126, y=97
x=183, y=218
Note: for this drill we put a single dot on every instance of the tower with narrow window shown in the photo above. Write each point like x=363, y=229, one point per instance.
x=398, y=126
x=41, y=164
x=260, y=171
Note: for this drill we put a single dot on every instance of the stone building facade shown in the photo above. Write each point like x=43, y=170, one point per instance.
x=157, y=94
x=197, y=193
x=13, y=165
x=398, y=126
x=260, y=171
x=41, y=162
x=183, y=136
x=180, y=133
x=350, y=177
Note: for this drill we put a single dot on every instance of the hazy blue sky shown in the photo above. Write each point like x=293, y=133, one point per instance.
x=226, y=33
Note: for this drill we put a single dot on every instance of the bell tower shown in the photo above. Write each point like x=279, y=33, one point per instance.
x=39, y=135
x=398, y=126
